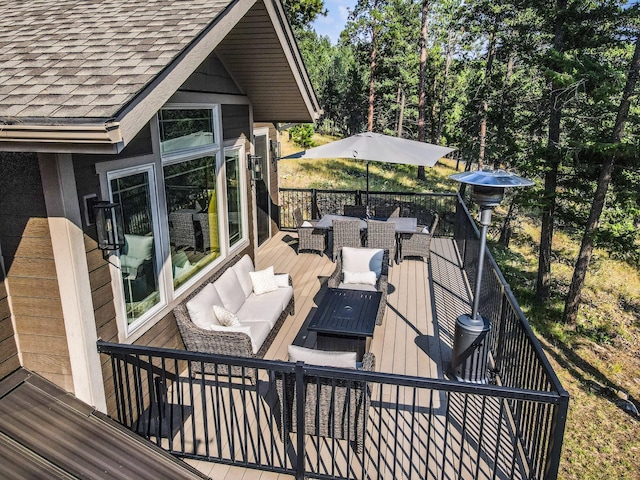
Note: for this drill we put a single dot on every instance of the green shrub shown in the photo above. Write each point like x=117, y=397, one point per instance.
x=302, y=135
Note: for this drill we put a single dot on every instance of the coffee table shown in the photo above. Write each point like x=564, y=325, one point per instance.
x=345, y=320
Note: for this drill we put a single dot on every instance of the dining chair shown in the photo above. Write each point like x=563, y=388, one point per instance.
x=309, y=237
x=387, y=211
x=359, y=211
x=418, y=244
x=382, y=235
x=346, y=233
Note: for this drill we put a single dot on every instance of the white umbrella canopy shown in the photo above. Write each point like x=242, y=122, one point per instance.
x=379, y=148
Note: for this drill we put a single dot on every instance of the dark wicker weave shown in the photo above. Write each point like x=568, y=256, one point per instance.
x=238, y=344
x=382, y=284
x=181, y=231
x=382, y=235
x=418, y=244
x=346, y=233
x=340, y=410
x=203, y=219
x=309, y=238
x=387, y=211
x=355, y=211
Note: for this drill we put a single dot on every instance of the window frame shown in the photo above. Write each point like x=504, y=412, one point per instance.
x=155, y=163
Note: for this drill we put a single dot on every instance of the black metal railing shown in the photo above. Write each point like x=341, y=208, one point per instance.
x=517, y=358
x=324, y=422
x=314, y=203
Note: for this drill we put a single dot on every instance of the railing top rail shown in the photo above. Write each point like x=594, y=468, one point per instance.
x=338, y=373
x=371, y=192
x=553, y=378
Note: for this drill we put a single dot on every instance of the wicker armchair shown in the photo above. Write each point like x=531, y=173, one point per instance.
x=382, y=235
x=338, y=410
x=359, y=211
x=346, y=233
x=418, y=244
x=387, y=211
x=382, y=283
x=309, y=238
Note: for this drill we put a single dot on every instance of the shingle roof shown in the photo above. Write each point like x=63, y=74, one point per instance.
x=70, y=59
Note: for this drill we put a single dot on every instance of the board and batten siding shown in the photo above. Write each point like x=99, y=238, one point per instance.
x=31, y=280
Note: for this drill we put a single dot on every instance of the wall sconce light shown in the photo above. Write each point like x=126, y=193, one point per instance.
x=275, y=149
x=255, y=167
x=471, y=337
x=109, y=225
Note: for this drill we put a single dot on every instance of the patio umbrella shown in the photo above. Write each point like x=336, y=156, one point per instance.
x=377, y=147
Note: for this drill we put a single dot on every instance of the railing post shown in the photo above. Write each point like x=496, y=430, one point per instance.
x=300, y=400
x=314, y=204
x=558, y=424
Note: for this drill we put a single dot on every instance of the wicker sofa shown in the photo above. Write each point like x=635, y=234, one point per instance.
x=260, y=316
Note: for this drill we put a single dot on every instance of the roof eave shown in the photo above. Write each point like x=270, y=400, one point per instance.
x=103, y=137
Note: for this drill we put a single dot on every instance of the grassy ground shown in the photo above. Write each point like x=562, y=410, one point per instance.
x=602, y=441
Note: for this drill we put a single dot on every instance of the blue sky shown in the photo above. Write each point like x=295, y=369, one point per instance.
x=336, y=18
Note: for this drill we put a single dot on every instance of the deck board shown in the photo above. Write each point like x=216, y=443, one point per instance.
x=415, y=339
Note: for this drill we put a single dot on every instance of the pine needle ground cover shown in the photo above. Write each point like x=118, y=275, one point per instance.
x=598, y=361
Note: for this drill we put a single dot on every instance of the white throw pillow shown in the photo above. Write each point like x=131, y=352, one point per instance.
x=425, y=230
x=306, y=223
x=321, y=357
x=263, y=281
x=361, y=278
x=282, y=280
x=362, y=260
x=225, y=317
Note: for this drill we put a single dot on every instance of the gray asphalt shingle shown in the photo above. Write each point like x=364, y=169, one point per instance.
x=65, y=58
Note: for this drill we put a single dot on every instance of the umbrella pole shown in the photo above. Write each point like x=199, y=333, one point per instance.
x=367, y=185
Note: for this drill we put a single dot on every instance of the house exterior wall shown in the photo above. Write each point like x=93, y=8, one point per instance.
x=9, y=359
x=31, y=280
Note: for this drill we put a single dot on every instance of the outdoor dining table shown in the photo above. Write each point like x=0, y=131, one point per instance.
x=403, y=224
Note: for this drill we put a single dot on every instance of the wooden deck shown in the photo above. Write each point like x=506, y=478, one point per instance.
x=415, y=339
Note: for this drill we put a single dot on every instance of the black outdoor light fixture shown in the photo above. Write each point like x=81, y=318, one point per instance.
x=109, y=225
x=470, y=343
x=253, y=162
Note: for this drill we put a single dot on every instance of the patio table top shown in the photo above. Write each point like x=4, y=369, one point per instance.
x=403, y=224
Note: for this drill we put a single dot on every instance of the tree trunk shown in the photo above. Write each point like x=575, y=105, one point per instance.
x=401, y=114
x=484, y=104
x=572, y=303
x=372, y=68
x=443, y=95
x=422, y=94
x=553, y=163
x=507, y=228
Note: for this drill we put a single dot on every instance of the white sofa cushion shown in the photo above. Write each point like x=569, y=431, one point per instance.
x=366, y=278
x=360, y=260
x=321, y=357
x=257, y=331
x=242, y=269
x=263, y=281
x=225, y=317
x=266, y=307
x=230, y=290
x=200, y=307
x=282, y=280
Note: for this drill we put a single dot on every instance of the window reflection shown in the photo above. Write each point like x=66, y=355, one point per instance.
x=137, y=258
x=193, y=216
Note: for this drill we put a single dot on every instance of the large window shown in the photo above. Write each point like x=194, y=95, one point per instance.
x=234, y=194
x=184, y=208
x=134, y=192
x=192, y=208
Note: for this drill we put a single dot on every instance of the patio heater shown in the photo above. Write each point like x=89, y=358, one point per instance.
x=471, y=337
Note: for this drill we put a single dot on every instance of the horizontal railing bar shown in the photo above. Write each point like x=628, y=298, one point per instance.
x=337, y=373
